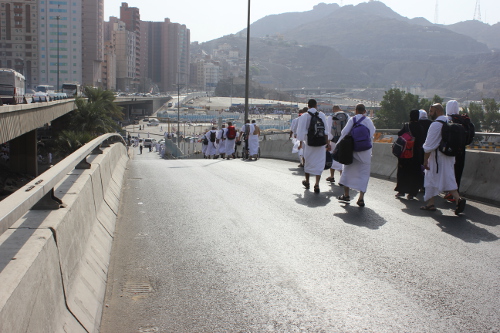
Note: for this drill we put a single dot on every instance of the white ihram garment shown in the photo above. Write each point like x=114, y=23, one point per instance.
x=357, y=174
x=212, y=146
x=253, y=142
x=315, y=157
x=221, y=135
x=441, y=174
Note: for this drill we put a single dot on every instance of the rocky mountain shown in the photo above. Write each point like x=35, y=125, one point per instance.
x=369, y=45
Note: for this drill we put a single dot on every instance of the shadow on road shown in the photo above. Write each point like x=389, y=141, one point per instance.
x=461, y=226
x=313, y=200
x=360, y=216
x=297, y=171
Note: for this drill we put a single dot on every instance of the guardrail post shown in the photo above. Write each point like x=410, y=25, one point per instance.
x=84, y=164
x=48, y=202
x=97, y=151
x=105, y=143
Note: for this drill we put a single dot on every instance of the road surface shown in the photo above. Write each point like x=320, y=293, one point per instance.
x=234, y=246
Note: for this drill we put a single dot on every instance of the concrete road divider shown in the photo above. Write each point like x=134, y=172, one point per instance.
x=54, y=263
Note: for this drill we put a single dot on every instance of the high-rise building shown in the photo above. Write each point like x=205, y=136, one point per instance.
x=19, y=38
x=124, y=44
x=92, y=18
x=132, y=19
x=168, y=54
x=60, y=40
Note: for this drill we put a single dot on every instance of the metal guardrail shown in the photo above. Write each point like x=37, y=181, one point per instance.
x=395, y=132
x=39, y=193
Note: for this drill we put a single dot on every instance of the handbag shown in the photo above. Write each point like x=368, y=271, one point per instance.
x=344, y=150
x=328, y=160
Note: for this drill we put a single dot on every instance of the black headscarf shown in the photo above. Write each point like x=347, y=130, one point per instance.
x=414, y=115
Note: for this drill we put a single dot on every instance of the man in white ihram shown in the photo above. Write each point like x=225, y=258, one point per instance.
x=439, y=168
x=315, y=157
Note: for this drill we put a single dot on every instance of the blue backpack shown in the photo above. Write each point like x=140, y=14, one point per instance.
x=360, y=135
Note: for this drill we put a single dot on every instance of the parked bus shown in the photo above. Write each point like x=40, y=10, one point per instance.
x=12, y=86
x=46, y=88
x=71, y=89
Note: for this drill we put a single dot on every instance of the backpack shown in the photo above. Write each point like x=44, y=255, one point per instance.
x=464, y=120
x=403, y=146
x=361, y=135
x=231, y=132
x=212, y=136
x=339, y=121
x=247, y=131
x=205, y=140
x=452, y=139
x=316, y=131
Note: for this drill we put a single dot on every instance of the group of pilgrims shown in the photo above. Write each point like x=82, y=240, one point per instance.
x=428, y=171
x=222, y=143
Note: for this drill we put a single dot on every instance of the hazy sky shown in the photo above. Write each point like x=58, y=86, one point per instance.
x=210, y=19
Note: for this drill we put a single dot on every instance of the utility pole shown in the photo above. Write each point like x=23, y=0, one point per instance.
x=247, y=80
x=436, y=13
x=477, y=11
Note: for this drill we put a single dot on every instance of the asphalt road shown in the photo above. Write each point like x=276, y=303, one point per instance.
x=234, y=246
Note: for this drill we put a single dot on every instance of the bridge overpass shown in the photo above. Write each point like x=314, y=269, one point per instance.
x=435, y=271
x=19, y=124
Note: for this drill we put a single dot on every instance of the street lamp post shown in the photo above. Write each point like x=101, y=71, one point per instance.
x=247, y=79
x=57, y=18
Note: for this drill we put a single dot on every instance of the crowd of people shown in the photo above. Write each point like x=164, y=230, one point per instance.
x=427, y=170
x=223, y=142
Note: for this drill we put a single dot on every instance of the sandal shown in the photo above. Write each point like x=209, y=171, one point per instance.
x=331, y=179
x=306, y=184
x=361, y=203
x=400, y=195
x=316, y=188
x=460, y=206
x=344, y=198
x=430, y=208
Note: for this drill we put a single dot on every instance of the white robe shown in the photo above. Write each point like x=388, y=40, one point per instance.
x=221, y=135
x=212, y=146
x=315, y=157
x=357, y=174
x=441, y=174
x=253, y=142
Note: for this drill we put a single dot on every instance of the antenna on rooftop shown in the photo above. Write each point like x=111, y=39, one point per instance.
x=436, y=13
x=477, y=11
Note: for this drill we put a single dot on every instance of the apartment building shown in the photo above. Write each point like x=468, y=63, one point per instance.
x=92, y=17
x=167, y=54
x=19, y=38
x=60, y=42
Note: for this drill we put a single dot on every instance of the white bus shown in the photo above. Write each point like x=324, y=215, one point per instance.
x=71, y=89
x=46, y=88
x=12, y=86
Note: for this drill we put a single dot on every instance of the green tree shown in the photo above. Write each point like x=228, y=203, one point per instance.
x=425, y=104
x=491, y=116
x=97, y=114
x=395, y=109
x=476, y=115
x=69, y=141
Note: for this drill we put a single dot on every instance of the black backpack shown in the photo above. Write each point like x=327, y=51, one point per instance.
x=316, y=131
x=339, y=120
x=452, y=139
x=212, y=136
x=464, y=120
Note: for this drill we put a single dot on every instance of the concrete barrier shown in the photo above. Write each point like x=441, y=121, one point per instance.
x=480, y=179
x=55, y=263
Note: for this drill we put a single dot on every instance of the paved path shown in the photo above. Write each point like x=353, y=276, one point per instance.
x=233, y=246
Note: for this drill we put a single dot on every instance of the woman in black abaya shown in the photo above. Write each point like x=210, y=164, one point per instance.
x=410, y=178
